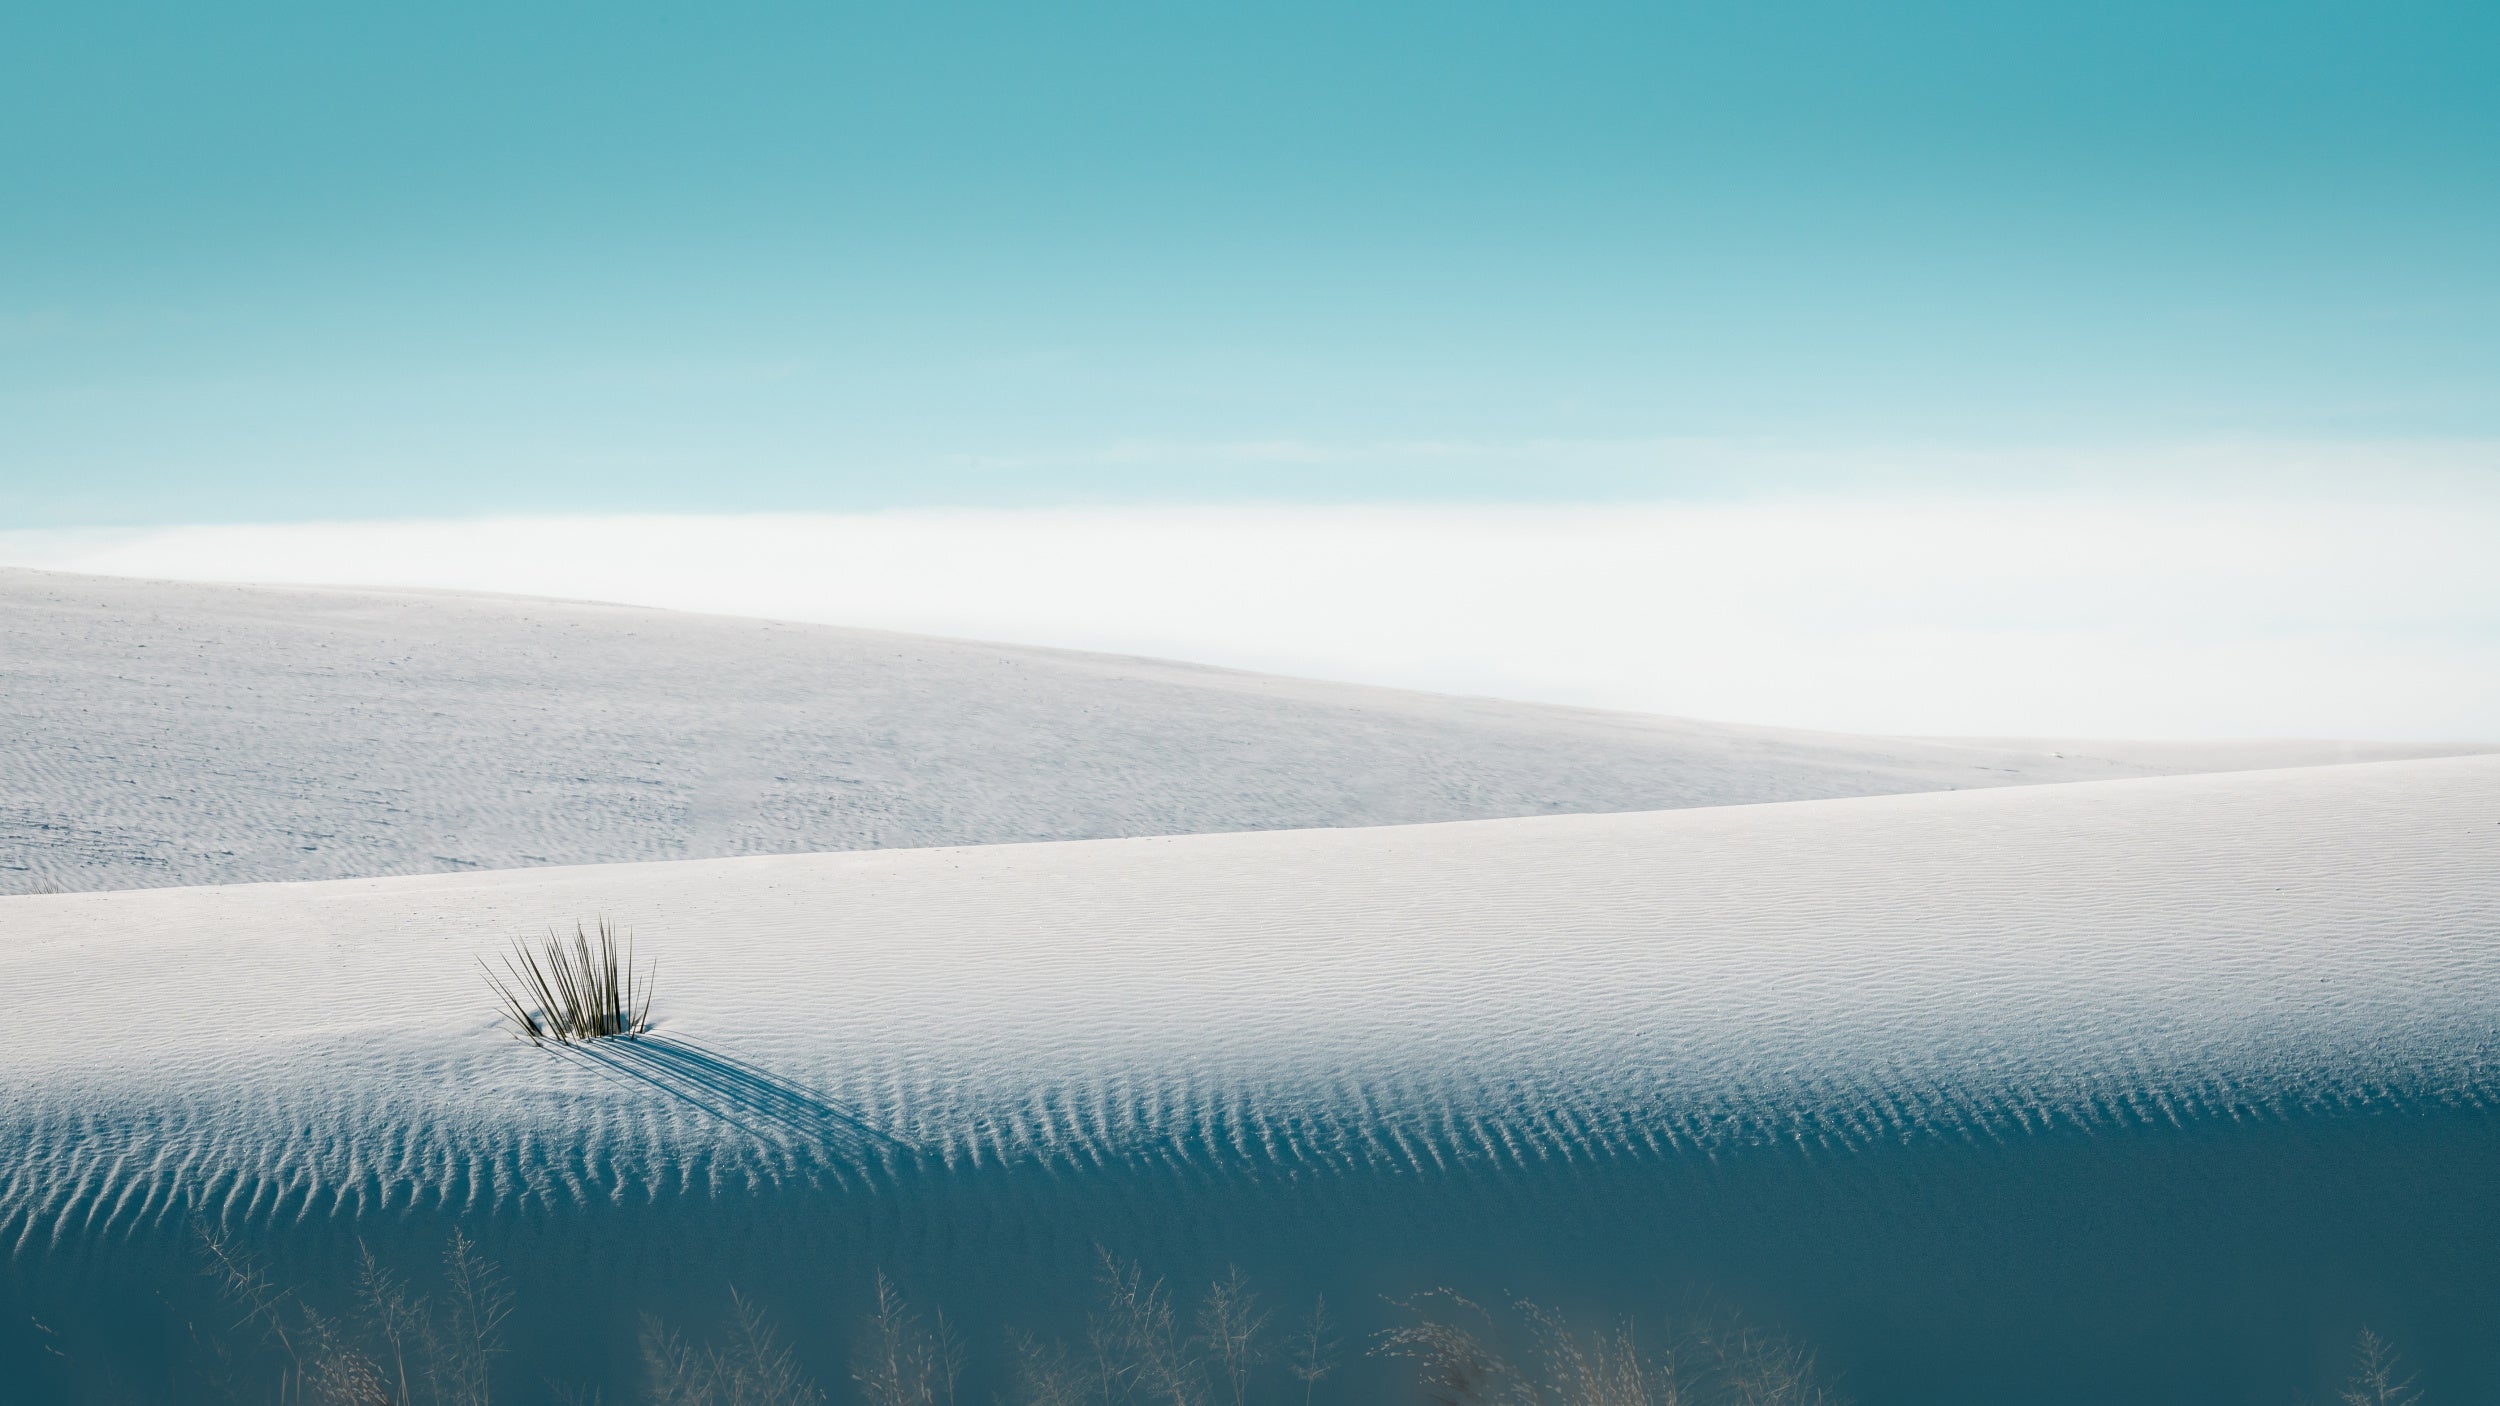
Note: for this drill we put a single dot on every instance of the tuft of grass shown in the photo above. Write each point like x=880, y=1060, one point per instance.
x=572, y=991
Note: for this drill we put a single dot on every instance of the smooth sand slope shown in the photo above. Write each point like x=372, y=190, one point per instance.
x=2144, y=1090
x=164, y=733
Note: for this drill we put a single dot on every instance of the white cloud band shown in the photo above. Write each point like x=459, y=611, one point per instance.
x=2043, y=616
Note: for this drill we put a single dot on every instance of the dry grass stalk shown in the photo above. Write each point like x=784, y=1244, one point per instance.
x=1232, y=1330
x=752, y=1368
x=2378, y=1378
x=1139, y=1353
x=1311, y=1353
x=1136, y=1351
x=408, y=1352
x=899, y=1361
x=571, y=992
x=396, y=1348
x=1464, y=1356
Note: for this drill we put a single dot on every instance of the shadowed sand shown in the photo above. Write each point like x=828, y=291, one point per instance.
x=2149, y=1089
x=738, y=1093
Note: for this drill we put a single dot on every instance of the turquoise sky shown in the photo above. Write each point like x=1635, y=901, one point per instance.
x=336, y=259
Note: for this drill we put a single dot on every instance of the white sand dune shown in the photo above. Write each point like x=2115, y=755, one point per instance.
x=166, y=733
x=2136, y=1089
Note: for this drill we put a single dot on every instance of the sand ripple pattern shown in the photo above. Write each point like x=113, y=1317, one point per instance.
x=1480, y=1000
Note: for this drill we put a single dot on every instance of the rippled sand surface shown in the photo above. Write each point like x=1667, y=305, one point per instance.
x=156, y=733
x=2148, y=1088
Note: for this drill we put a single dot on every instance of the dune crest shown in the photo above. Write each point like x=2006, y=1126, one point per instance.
x=157, y=733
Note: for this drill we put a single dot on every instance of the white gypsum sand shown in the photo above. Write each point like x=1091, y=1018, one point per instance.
x=1991, y=1094
x=167, y=733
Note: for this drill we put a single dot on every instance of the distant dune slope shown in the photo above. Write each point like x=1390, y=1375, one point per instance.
x=2132, y=1090
x=162, y=733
